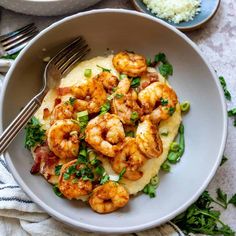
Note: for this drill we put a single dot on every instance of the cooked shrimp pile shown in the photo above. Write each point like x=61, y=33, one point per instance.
x=106, y=122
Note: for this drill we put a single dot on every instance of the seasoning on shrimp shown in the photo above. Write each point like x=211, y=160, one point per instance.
x=129, y=158
x=108, y=197
x=152, y=98
x=63, y=138
x=105, y=133
x=148, y=139
x=130, y=64
x=70, y=185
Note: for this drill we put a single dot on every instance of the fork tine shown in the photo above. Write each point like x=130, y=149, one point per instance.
x=19, y=42
x=18, y=37
x=16, y=32
x=74, y=59
x=65, y=50
x=70, y=53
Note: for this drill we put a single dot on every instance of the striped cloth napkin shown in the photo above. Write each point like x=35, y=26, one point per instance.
x=20, y=216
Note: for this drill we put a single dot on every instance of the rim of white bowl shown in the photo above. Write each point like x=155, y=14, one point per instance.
x=150, y=224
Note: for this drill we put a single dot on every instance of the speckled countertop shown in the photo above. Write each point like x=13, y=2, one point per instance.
x=217, y=41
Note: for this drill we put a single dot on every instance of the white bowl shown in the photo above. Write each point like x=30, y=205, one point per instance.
x=193, y=79
x=47, y=7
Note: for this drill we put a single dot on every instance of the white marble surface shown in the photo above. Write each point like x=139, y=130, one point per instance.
x=217, y=41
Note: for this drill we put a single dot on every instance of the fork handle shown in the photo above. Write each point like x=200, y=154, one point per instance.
x=18, y=123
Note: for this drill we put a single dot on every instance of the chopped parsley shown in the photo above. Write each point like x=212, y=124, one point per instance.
x=104, y=69
x=224, y=86
x=58, y=170
x=164, y=102
x=66, y=176
x=105, y=108
x=72, y=101
x=135, y=82
x=160, y=57
x=35, y=134
x=201, y=218
x=148, y=61
x=171, y=111
x=57, y=191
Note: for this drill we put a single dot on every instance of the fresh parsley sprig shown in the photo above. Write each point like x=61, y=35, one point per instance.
x=35, y=134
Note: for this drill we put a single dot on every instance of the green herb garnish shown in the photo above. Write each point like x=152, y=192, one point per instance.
x=222, y=197
x=148, y=61
x=166, y=166
x=58, y=170
x=10, y=57
x=201, y=218
x=134, y=116
x=117, y=95
x=34, y=133
x=105, y=108
x=135, y=82
x=122, y=76
x=121, y=174
x=224, y=86
x=160, y=57
x=87, y=73
x=129, y=134
x=171, y=111
x=174, y=156
x=104, y=69
x=150, y=189
x=57, y=191
x=164, y=102
x=83, y=155
x=104, y=179
x=66, y=176
x=223, y=160
x=185, y=106
x=233, y=200
x=83, y=118
x=232, y=112
x=72, y=101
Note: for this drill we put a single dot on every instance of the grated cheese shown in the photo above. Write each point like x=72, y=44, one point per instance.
x=174, y=10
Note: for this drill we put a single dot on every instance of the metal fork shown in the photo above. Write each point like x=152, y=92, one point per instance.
x=56, y=68
x=13, y=42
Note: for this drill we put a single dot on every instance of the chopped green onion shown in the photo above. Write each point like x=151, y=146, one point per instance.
x=83, y=118
x=74, y=181
x=166, y=166
x=185, y=106
x=135, y=82
x=117, y=95
x=105, y=108
x=174, y=147
x=104, y=179
x=150, y=189
x=83, y=155
x=72, y=100
x=122, y=76
x=121, y=174
x=154, y=180
x=87, y=73
x=99, y=170
x=104, y=69
x=164, y=133
x=134, y=116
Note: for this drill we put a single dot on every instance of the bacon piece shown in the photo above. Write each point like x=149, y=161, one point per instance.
x=46, y=113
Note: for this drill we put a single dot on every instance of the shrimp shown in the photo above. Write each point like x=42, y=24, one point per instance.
x=127, y=104
x=105, y=133
x=130, y=64
x=158, y=100
x=148, y=139
x=73, y=187
x=63, y=138
x=108, y=80
x=63, y=111
x=108, y=197
x=91, y=95
x=129, y=158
